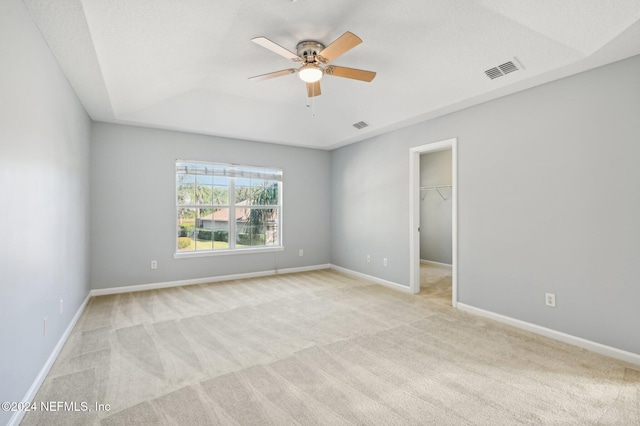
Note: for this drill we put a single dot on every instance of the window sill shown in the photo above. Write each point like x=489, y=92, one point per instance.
x=221, y=252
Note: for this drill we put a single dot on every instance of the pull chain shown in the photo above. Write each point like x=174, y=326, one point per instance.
x=311, y=101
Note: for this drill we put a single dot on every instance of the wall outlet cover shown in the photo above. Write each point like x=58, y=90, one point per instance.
x=550, y=299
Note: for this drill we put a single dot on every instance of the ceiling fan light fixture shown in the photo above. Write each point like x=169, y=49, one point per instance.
x=310, y=73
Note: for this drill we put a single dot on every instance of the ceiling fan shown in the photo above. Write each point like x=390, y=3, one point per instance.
x=314, y=56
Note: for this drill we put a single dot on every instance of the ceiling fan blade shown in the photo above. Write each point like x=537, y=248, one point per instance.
x=352, y=73
x=342, y=44
x=272, y=74
x=313, y=89
x=276, y=48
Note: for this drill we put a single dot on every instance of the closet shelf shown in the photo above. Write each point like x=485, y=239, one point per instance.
x=437, y=188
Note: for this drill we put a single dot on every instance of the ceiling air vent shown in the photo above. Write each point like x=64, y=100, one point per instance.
x=493, y=73
x=501, y=70
x=360, y=125
x=508, y=67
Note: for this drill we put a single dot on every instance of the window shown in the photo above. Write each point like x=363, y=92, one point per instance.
x=224, y=208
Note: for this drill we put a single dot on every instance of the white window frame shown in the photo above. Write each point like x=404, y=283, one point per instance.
x=231, y=206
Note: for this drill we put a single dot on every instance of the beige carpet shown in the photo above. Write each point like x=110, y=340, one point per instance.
x=323, y=348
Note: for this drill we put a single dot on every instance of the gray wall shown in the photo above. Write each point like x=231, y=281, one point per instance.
x=133, y=206
x=548, y=202
x=44, y=181
x=435, y=212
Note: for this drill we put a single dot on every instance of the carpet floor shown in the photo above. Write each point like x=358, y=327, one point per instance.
x=322, y=348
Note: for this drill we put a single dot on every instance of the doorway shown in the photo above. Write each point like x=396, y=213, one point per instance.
x=448, y=192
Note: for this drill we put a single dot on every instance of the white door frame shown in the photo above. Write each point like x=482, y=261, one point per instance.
x=414, y=208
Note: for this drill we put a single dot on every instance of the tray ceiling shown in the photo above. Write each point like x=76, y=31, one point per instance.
x=184, y=65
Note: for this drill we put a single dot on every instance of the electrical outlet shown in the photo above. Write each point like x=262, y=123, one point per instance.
x=61, y=306
x=301, y=253
x=550, y=299
x=44, y=327
x=384, y=261
x=368, y=258
x=154, y=264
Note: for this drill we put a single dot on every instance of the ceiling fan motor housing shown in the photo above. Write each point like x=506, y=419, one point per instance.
x=309, y=50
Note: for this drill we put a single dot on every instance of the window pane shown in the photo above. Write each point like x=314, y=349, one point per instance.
x=212, y=231
x=204, y=194
x=221, y=229
x=204, y=229
x=243, y=191
x=203, y=188
x=220, y=195
x=258, y=183
x=271, y=234
x=265, y=193
x=221, y=180
x=186, y=226
x=204, y=219
x=205, y=179
x=243, y=228
x=186, y=189
x=250, y=236
x=256, y=227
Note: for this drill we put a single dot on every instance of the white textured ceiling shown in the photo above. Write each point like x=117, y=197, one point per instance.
x=184, y=64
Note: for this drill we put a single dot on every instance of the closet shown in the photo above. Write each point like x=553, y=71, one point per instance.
x=435, y=207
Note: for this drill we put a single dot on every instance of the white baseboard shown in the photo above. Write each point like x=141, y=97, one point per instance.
x=35, y=386
x=431, y=262
x=167, y=284
x=599, y=348
x=376, y=280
